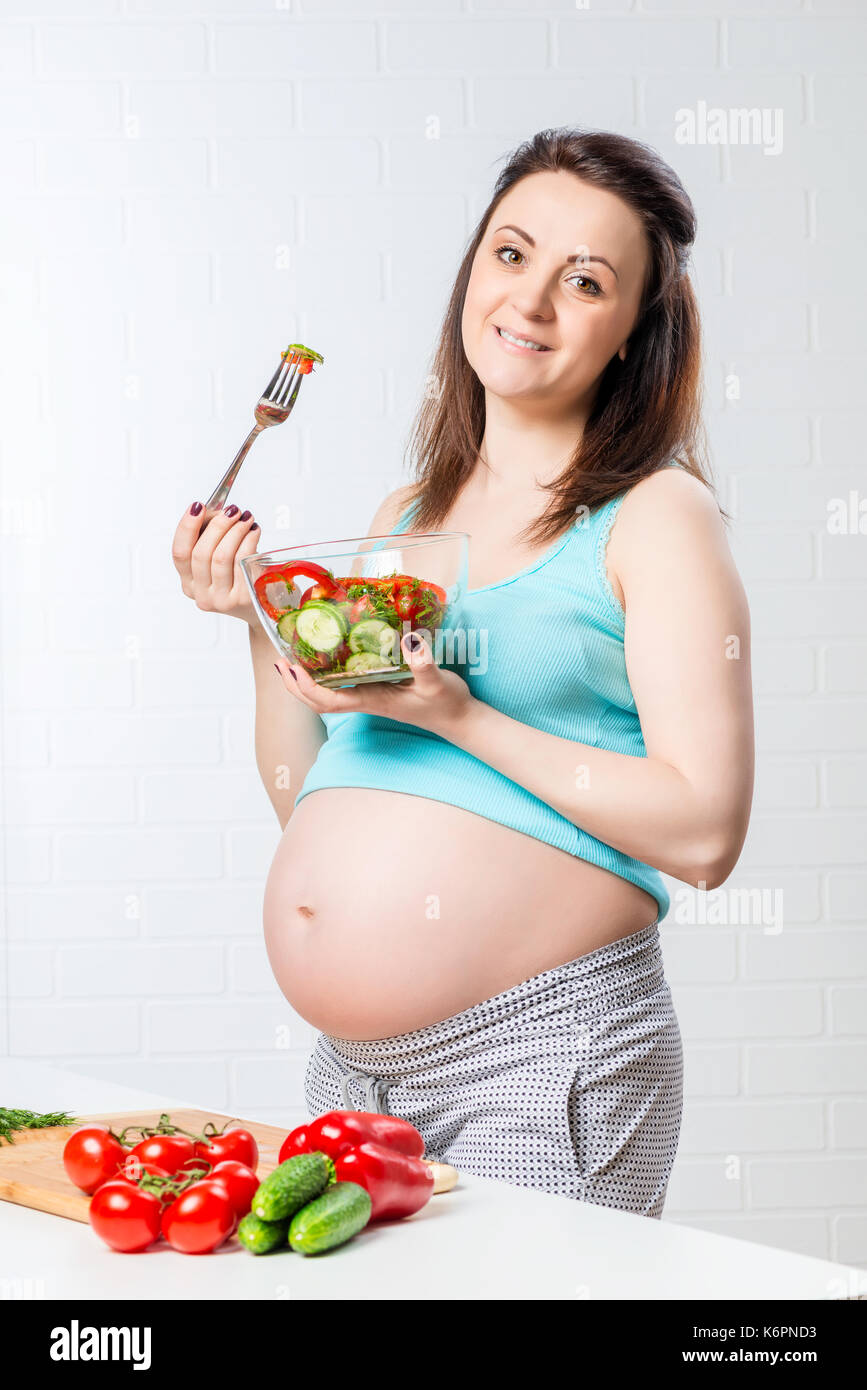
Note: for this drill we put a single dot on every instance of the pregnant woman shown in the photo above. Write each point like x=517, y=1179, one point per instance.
x=466, y=899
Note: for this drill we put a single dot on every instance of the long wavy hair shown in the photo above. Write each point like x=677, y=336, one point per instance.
x=647, y=409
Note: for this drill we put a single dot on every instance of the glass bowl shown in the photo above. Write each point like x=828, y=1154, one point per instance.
x=340, y=608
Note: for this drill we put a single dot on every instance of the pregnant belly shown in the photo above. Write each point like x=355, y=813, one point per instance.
x=385, y=912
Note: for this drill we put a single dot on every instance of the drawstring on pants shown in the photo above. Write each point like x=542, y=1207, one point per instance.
x=375, y=1088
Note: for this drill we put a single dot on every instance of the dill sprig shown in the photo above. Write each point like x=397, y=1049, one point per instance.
x=29, y=1119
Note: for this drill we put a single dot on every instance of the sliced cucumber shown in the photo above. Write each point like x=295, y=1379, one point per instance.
x=373, y=635
x=286, y=624
x=366, y=661
x=321, y=625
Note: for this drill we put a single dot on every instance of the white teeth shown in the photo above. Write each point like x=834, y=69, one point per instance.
x=521, y=342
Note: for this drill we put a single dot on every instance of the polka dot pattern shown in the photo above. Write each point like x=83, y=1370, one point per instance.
x=570, y=1082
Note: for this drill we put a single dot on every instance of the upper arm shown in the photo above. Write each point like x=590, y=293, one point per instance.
x=391, y=509
x=687, y=647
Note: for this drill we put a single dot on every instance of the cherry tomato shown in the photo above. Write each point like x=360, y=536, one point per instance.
x=134, y=1168
x=124, y=1216
x=91, y=1156
x=238, y=1144
x=168, y=1151
x=239, y=1181
x=200, y=1220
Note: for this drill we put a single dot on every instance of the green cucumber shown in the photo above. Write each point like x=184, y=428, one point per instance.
x=286, y=624
x=261, y=1237
x=321, y=625
x=292, y=1185
x=373, y=635
x=367, y=661
x=332, y=1219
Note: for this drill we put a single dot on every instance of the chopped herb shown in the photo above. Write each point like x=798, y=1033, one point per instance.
x=11, y=1120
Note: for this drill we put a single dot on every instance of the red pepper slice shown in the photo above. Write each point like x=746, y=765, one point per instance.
x=276, y=574
x=398, y=1184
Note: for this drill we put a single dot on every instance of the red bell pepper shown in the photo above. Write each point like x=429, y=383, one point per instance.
x=398, y=1184
x=275, y=585
x=340, y=1130
x=294, y=1143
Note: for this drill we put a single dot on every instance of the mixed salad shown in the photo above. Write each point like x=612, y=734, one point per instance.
x=304, y=356
x=350, y=625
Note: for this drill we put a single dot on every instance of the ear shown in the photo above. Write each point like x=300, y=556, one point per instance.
x=621, y=352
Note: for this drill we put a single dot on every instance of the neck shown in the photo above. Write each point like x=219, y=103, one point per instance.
x=525, y=445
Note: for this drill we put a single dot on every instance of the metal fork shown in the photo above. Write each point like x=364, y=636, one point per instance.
x=275, y=406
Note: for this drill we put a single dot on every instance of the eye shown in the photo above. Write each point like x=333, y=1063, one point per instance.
x=589, y=286
x=593, y=285
x=500, y=249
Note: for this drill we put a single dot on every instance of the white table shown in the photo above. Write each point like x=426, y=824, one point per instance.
x=482, y=1240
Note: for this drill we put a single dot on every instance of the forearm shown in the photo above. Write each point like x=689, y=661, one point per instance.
x=643, y=807
x=288, y=734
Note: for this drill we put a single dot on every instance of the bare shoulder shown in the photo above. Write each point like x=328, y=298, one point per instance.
x=672, y=509
x=391, y=509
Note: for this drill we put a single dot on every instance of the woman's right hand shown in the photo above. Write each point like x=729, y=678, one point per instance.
x=208, y=564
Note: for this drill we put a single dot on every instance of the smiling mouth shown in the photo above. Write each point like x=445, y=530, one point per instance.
x=521, y=342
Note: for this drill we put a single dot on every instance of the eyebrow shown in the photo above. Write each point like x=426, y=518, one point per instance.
x=583, y=259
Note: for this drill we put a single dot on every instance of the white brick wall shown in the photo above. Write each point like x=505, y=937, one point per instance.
x=189, y=182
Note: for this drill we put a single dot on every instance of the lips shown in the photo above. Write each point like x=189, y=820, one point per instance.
x=501, y=329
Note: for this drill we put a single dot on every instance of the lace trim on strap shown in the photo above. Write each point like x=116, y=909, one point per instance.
x=601, y=549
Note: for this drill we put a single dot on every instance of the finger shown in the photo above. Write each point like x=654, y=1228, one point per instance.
x=299, y=684
x=292, y=684
x=223, y=558
x=240, y=593
x=185, y=537
x=419, y=657
x=203, y=550
x=320, y=697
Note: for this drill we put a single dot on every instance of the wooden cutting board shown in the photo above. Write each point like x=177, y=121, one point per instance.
x=32, y=1172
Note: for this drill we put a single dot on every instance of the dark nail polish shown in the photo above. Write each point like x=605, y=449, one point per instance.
x=413, y=641
x=292, y=674
x=195, y=509
x=255, y=526
x=230, y=511
x=277, y=669
x=245, y=516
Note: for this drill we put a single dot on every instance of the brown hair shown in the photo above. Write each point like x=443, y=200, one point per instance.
x=647, y=409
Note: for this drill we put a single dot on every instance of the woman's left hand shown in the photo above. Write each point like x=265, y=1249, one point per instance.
x=434, y=699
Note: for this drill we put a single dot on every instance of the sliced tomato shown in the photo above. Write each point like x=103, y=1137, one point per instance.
x=335, y=594
x=363, y=607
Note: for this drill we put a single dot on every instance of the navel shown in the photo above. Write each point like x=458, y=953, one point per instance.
x=305, y=911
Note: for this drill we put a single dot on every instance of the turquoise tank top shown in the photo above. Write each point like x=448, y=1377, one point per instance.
x=572, y=683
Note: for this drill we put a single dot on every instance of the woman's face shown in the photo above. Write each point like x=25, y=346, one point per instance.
x=525, y=281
